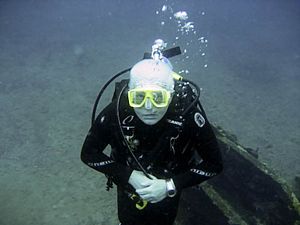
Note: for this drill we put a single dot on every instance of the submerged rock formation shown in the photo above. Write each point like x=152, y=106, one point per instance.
x=246, y=193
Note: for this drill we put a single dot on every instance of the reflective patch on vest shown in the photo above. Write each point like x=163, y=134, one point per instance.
x=203, y=173
x=199, y=119
x=98, y=164
x=102, y=119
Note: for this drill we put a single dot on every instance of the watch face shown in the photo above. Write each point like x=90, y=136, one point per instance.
x=170, y=189
x=171, y=192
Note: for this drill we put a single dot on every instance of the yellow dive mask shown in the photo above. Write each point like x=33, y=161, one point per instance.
x=158, y=97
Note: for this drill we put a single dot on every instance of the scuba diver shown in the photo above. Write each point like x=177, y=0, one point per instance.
x=161, y=140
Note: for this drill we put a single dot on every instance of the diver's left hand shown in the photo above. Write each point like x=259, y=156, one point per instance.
x=155, y=192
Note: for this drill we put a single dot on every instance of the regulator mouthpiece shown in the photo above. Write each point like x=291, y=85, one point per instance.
x=157, y=49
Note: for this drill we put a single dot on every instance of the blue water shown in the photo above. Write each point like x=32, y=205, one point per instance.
x=55, y=55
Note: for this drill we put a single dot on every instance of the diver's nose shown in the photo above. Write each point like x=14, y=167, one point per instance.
x=148, y=104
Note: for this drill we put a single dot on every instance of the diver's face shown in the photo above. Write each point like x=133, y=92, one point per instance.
x=150, y=114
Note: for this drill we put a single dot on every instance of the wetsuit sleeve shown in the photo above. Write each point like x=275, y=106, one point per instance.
x=206, y=146
x=98, y=137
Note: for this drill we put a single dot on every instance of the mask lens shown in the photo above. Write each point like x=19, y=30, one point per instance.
x=158, y=97
x=138, y=97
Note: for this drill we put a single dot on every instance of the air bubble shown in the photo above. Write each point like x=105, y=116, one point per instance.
x=164, y=8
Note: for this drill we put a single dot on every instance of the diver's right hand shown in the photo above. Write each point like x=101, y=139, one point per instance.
x=138, y=180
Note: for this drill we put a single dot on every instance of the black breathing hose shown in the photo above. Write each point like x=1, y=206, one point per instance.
x=103, y=89
x=196, y=100
x=123, y=135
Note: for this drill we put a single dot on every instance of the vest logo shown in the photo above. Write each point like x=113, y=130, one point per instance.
x=174, y=122
x=199, y=119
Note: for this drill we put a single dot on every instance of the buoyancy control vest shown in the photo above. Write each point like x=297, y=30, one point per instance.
x=164, y=152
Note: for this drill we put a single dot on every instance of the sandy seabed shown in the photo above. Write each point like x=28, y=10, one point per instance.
x=48, y=83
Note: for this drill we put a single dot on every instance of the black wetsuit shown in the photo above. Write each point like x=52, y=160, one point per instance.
x=184, y=150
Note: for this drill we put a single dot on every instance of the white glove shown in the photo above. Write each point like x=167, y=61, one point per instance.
x=155, y=192
x=138, y=180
